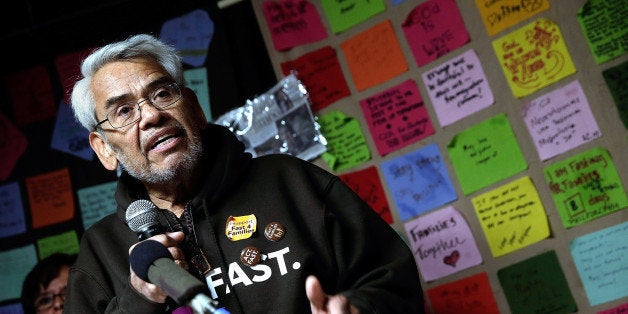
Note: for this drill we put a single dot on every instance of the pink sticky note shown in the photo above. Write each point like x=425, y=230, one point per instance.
x=69, y=70
x=458, y=88
x=293, y=23
x=397, y=117
x=434, y=28
x=560, y=120
x=32, y=96
x=442, y=243
x=12, y=145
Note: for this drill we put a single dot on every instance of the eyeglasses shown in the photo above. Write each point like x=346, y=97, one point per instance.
x=130, y=112
x=47, y=300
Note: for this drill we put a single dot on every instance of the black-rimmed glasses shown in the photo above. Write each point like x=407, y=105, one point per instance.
x=47, y=300
x=130, y=112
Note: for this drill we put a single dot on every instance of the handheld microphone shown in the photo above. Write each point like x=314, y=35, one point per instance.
x=141, y=216
x=152, y=262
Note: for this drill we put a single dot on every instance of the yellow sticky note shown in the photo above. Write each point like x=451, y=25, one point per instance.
x=499, y=15
x=512, y=216
x=533, y=57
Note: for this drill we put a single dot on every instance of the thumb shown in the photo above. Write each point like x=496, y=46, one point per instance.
x=315, y=293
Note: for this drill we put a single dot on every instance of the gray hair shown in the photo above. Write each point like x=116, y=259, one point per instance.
x=137, y=46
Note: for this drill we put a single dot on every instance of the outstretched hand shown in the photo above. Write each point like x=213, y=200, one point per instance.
x=321, y=303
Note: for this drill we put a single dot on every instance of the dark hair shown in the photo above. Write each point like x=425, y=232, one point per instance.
x=41, y=275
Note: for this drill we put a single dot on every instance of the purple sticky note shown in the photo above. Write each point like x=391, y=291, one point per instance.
x=69, y=136
x=190, y=34
x=11, y=210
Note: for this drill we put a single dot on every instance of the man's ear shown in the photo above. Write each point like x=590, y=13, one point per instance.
x=104, y=152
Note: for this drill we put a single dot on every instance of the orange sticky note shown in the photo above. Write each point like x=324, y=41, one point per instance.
x=499, y=15
x=374, y=56
x=50, y=197
x=533, y=57
x=469, y=295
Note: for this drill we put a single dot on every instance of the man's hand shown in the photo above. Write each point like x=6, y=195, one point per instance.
x=151, y=291
x=321, y=303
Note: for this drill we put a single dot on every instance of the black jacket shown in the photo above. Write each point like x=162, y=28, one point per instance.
x=330, y=232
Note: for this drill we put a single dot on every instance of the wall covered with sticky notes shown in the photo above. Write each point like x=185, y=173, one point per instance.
x=492, y=135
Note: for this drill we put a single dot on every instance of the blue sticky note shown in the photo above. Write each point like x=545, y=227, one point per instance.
x=190, y=34
x=196, y=80
x=397, y=2
x=600, y=258
x=418, y=181
x=13, y=308
x=97, y=202
x=16, y=264
x=69, y=136
x=11, y=210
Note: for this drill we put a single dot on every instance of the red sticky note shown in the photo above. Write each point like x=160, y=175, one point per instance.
x=367, y=184
x=434, y=28
x=31, y=95
x=468, y=295
x=69, y=70
x=374, y=56
x=12, y=145
x=397, y=117
x=321, y=74
x=50, y=198
x=293, y=23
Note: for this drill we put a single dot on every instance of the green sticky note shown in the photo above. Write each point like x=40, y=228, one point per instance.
x=66, y=242
x=537, y=285
x=16, y=264
x=605, y=27
x=346, y=145
x=617, y=80
x=196, y=80
x=485, y=154
x=585, y=187
x=345, y=14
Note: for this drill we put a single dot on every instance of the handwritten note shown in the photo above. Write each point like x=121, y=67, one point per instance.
x=604, y=26
x=498, y=15
x=13, y=143
x=585, y=186
x=600, y=258
x=374, y=56
x=433, y=29
x=533, y=57
x=16, y=263
x=32, y=96
x=346, y=145
x=345, y=14
x=537, y=285
x=397, y=117
x=617, y=80
x=489, y=148
x=96, y=202
x=458, y=88
x=68, y=67
x=367, y=184
x=196, y=80
x=560, y=120
x=321, y=74
x=418, y=181
x=512, y=216
x=50, y=197
x=293, y=23
x=470, y=295
x=191, y=34
x=69, y=136
x=66, y=242
x=11, y=210
x=442, y=243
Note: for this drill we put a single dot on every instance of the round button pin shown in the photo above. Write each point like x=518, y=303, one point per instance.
x=274, y=231
x=250, y=256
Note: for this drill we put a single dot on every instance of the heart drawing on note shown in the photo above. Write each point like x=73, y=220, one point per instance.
x=452, y=258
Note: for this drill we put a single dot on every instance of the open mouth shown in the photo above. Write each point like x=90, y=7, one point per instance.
x=164, y=140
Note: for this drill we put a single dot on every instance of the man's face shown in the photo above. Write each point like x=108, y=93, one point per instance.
x=164, y=142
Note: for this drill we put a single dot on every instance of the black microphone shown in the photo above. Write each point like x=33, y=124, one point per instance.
x=151, y=261
x=141, y=216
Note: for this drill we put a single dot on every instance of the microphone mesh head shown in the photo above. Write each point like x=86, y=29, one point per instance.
x=141, y=214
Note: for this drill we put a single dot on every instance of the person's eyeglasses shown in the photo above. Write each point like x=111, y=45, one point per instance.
x=47, y=300
x=130, y=112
